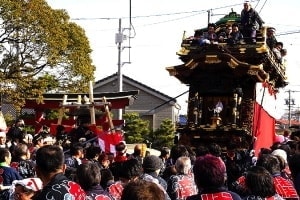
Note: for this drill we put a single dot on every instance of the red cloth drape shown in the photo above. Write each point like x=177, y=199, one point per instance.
x=108, y=141
x=263, y=128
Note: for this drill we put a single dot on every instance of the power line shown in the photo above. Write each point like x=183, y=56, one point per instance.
x=170, y=20
x=158, y=15
x=164, y=103
x=93, y=18
x=193, y=13
x=188, y=12
x=288, y=33
x=262, y=6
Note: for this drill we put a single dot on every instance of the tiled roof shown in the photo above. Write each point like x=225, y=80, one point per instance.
x=136, y=84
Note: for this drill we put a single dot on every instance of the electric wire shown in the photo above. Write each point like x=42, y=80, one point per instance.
x=190, y=14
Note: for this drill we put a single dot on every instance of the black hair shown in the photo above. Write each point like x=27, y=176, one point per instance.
x=279, y=43
x=269, y=162
x=211, y=25
x=130, y=169
x=19, y=151
x=4, y=152
x=120, y=147
x=106, y=177
x=49, y=158
x=294, y=163
x=235, y=25
x=88, y=175
x=178, y=151
x=92, y=152
x=164, y=151
x=202, y=150
x=215, y=149
x=75, y=148
x=260, y=182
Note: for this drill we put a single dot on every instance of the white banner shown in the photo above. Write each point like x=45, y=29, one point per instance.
x=3, y=125
x=266, y=97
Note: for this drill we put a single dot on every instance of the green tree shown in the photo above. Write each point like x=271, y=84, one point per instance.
x=136, y=129
x=164, y=135
x=41, y=50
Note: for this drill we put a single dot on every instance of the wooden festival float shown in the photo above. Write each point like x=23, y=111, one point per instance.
x=227, y=86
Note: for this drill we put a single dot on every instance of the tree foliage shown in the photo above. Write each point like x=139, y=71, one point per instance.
x=136, y=129
x=41, y=50
x=164, y=135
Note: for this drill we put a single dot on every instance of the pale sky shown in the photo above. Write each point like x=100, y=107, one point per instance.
x=159, y=26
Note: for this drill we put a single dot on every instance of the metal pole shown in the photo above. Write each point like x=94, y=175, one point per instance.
x=120, y=76
x=209, y=16
x=289, y=117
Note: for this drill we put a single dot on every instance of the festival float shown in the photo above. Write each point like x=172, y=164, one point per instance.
x=232, y=89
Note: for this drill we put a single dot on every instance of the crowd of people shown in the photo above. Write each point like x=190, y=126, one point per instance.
x=243, y=32
x=249, y=24
x=46, y=171
x=73, y=166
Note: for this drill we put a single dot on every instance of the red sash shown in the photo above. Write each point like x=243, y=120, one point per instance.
x=102, y=197
x=116, y=189
x=285, y=188
x=186, y=187
x=217, y=196
x=271, y=198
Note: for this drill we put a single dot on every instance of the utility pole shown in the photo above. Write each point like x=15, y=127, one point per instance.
x=209, y=16
x=119, y=41
x=119, y=38
x=289, y=102
x=289, y=108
